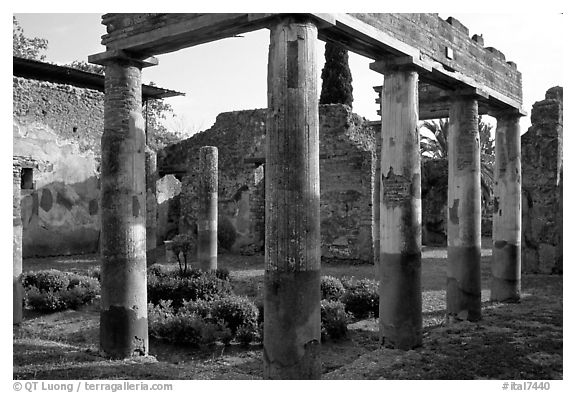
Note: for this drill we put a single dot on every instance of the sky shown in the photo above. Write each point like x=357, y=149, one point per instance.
x=230, y=74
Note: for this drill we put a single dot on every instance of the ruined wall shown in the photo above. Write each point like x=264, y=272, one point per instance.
x=346, y=184
x=346, y=179
x=542, y=186
x=59, y=126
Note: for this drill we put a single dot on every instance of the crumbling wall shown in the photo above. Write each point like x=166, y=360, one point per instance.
x=59, y=126
x=346, y=179
x=542, y=186
x=346, y=184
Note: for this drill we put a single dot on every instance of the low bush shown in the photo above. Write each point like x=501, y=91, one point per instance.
x=361, y=298
x=192, y=286
x=331, y=288
x=204, y=321
x=53, y=290
x=223, y=274
x=235, y=311
x=334, y=319
x=46, y=280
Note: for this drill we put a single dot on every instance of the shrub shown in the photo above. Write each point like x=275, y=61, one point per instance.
x=361, y=299
x=235, y=311
x=331, y=288
x=94, y=273
x=46, y=280
x=44, y=300
x=200, y=307
x=53, y=290
x=184, y=327
x=223, y=274
x=246, y=334
x=159, y=270
x=226, y=233
x=81, y=290
x=334, y=319
x=177, y=288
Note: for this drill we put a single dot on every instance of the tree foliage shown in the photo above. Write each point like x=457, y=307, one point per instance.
x=336, y=76
x=28, y=48
x=87, y=67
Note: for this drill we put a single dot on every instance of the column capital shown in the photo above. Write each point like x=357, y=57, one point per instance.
x=119, y=55
x=397, y=63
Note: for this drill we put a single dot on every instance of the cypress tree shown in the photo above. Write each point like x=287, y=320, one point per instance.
x=336, y=76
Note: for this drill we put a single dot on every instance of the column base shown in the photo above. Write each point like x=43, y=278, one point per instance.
x=463, y=291
x=292, y=325
x=400, y=301
x=122, y=333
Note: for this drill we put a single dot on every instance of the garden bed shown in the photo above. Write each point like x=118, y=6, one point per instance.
x=512, y=341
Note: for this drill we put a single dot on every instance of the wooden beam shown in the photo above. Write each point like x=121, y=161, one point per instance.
x=181, y=32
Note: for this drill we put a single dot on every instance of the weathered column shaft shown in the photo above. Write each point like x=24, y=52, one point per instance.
x=463, y=293
x=208, y=208
x=151, y=205
x=506, y=256
x=17, y=289
x=400, y=213
x=292, y=241
x=123, y=315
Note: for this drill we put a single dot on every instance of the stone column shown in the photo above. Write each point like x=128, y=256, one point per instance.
x=123, y=315
x=208, y=208
x=151, y=204
x=400, y=212
x=292, y=241
x=463, y=293
x=17, y=289
x=506, y=255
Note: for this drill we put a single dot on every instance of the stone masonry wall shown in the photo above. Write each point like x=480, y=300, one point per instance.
x=346, y=179
x=542, y=174
x=59, y=126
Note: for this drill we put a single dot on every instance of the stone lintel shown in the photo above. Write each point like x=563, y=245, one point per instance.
x=114, y=55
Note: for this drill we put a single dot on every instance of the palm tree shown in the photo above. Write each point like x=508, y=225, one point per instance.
x=436, y=147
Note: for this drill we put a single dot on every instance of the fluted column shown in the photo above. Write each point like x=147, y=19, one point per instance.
x=208, y=208
x=463, y=293
x=292, y=241
x=506, y=221
x=400, y=212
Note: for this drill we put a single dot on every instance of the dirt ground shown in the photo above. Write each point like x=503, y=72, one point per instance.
x=521, y=341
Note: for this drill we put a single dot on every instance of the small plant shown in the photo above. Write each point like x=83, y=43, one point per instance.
x=182, y=244
x=236, y=311
x=226, y=233
x=223, y=274
x=362, y=299
x=334, y=319
x=331, y=288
